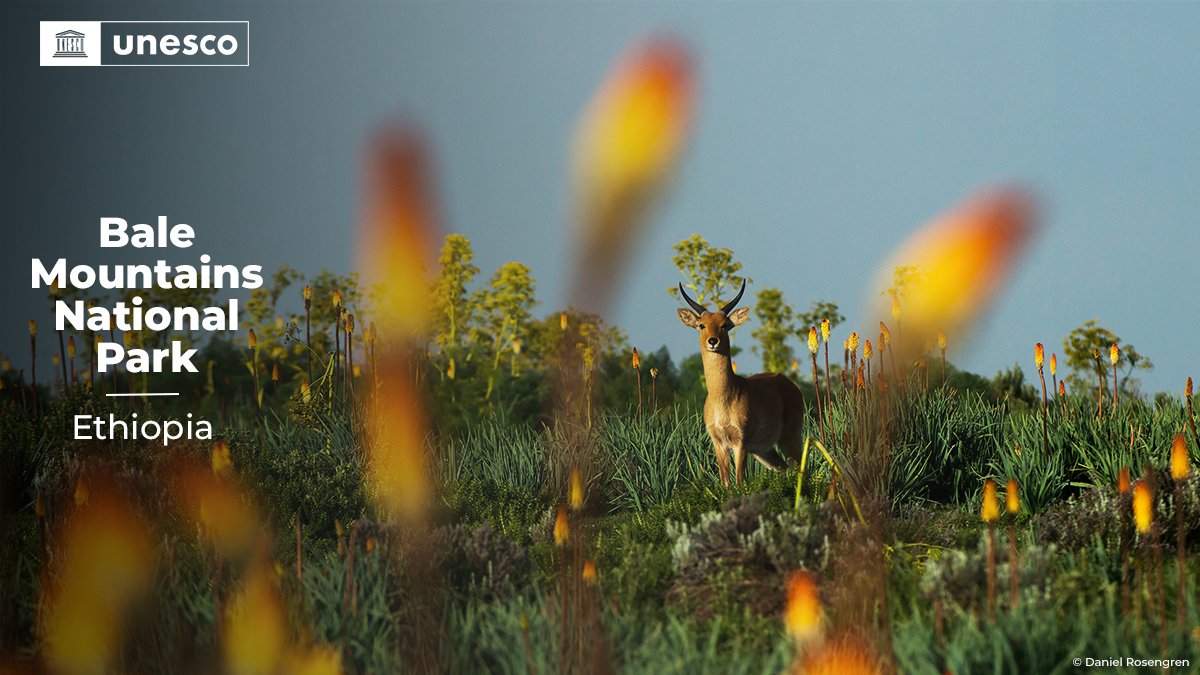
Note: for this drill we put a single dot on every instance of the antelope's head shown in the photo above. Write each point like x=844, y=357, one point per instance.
x=714, y=327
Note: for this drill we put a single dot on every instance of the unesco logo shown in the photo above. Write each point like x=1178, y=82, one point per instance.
x=70, y=45
x=145, y=43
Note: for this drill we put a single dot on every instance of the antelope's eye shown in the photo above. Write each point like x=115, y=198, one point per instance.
x=701, y=326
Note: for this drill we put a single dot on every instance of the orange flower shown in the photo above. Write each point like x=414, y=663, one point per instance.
x=802, y=617
x=845, y=658
x=628, y=142
x=1012, y=497
x=1179, y=458
x=991, y=510
x=1039, y=355
x=82, y=494
x=1123, y=480
x=222, y=465
x=1053, y=364
x=399, y=227
x=1143, y=513
x=964, y=256
x=812, y=339
x=637, y=359
x=561, y=530
x=589, y=572
x=576, y=490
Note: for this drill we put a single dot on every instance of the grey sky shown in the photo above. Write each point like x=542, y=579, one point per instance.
x=826, y=133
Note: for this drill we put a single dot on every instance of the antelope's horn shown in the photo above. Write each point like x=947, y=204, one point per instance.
x=696, y=307
x=733, y=303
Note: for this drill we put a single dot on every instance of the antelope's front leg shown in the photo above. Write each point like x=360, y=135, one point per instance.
x=722, y=452
x=733, y=436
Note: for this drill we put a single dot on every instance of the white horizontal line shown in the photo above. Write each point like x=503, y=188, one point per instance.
x=149, y=393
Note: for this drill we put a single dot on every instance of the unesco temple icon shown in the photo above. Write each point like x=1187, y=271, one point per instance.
x=70, y=44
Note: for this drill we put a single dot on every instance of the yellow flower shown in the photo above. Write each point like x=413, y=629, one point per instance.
x=32, y=328
x=825, y=330
x=81, y=491
x=305, y=392
x=867, y=350
x=337, y=299
x=576, y=490
x=561, y=529
x=307, y=293
x=942, y=340
x=1012, y=497
x=252, y=340
x=1039, y=355
x=887, y=334
x=222, y=464
x=654, y=372
x=370, y=544
x=853, y=342
x=1179, y=458
x=562, y=321
x=991, y=510
x=275, y=373
x=1113, y=355
x=812, y=340
x=802, y=617
x=637, y=359
x=1143, y=513
x=1053, y=364
x=589, y=572
x=965, y=256
x=255, y=634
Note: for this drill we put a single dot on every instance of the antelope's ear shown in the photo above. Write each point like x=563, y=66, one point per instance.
x=688, y=318
x=739, y=316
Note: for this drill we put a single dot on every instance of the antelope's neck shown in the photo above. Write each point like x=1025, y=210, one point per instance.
x=718, y=374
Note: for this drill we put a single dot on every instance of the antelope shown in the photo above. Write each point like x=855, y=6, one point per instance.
x=762, y=414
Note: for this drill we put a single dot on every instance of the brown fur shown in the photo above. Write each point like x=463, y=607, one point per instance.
x=745, y=414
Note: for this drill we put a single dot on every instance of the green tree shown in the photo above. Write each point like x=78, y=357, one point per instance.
x=451, y=304
x=904, y=278
x=710, y=272
x=1085, y=368
x=819, y=311
x=776, y=320
x=504, y=306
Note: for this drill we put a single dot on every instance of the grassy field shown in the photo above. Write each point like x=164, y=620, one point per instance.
x=689, y=576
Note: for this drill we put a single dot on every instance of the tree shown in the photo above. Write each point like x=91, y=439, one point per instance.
x=452, y=310
x=776, y=323
x=904, y=278
x=710, y=271
x=504, y=305
x=1084, y=368
x=819, y=311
